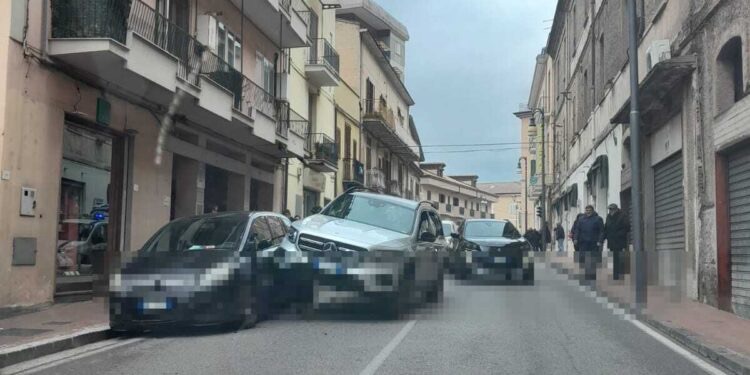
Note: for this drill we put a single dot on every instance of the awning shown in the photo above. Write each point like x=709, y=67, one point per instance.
x=601, y=166
x=655, y=99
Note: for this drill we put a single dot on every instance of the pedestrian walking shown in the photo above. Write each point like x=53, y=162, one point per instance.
x=560, y=237
x=546, y=237
x=534, y=238
x=615, y=232
x=288, y=214
x=573, y=231
x=587, y=234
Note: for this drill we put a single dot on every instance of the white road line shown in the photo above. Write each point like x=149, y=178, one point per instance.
x=66, y=356
x=604, y=301
x=705, y=366
x=376, y=362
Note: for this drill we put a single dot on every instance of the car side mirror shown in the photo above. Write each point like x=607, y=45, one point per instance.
x=427, y=237
x=456, y=236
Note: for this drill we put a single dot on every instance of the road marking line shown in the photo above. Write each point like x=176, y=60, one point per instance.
x=705, y=366
x=67, y=356
x=604, y=301
x=388, y=349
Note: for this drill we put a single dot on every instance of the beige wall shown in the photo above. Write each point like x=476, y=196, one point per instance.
x=32, y=151
x=348, y=46
x=502, y=209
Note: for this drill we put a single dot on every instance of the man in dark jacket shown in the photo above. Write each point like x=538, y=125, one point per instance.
x=586, y=234
x=560, y=237
x=616, y=233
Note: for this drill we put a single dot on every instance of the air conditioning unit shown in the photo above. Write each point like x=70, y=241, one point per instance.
x=659, y=51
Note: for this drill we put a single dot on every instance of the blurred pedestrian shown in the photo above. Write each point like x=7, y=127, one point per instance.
x=532, y=235
x=546, y=237
x=587, y=234
x=288, y=214
x=615, y=232
x=297, y=218
x=560, y=237
x=573, y=230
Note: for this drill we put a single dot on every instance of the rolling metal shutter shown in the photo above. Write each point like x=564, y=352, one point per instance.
x=739, y=229
x=668, y=200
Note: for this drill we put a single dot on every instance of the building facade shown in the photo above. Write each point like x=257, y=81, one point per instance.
x=509, y=203
x=83, y=156
x=693, y=84
x=456, y=198
x=371, y=44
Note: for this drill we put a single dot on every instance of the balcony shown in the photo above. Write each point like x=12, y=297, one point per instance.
x=134, y=47
x=291, y=129
x=323, y=153
x=289, y=32
x=353, y=170
x=380, y=120
x=375, y=178
x=322, y=65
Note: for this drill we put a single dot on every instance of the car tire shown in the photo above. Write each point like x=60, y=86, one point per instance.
x=435, y=295
x=398, y=303
x=249, y=312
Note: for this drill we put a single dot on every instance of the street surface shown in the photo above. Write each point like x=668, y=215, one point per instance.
x=551, y=327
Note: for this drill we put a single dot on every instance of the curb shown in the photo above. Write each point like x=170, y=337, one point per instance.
x=725, y=358
x=13, y=355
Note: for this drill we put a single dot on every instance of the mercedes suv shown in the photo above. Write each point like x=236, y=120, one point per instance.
x=372, y=250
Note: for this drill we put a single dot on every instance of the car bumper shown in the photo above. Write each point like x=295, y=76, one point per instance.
x=150, y=311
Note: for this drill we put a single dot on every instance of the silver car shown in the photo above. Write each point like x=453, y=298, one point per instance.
x=371, y=250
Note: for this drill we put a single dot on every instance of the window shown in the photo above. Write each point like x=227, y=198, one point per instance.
x=429, y=195
x=264, y=72
x=442, y=198
x=475, y=229
x=729, y=81
x=261, y=232
x=426, y=225
x=198, y=234
x=226, y=45
x=532, y=170
x=278, y=229
x=437, y=224
x=509, y=231
x=372, y=211
x=456, y=201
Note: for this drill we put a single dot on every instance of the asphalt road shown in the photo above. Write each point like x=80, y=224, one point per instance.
x=551, y=327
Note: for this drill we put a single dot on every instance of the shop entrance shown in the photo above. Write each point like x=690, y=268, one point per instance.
x=88, y=231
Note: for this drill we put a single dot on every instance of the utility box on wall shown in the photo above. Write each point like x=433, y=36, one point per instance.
x=24, y=251
x=28, y=201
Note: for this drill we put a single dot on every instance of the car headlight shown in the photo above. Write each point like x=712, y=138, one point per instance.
x=216, y=275
x=471, y=246
x=292, y=234
x=115, y=282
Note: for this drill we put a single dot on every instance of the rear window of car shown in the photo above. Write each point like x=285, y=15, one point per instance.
x=447, y=229
x=198, y=234
x=484, y=229
x=372, y=211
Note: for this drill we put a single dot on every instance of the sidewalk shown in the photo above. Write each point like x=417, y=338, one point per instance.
x=55, y=328
x=718, y=335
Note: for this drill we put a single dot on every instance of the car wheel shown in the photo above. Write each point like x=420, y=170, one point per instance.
x=249, y=303
x=398, y=303
x=435, y=295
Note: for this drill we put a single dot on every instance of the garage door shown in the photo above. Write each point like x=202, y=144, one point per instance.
x=739, y=223
x=668, y=199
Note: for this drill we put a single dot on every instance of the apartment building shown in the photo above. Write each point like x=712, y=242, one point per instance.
x=86, y=85
x=371, y=45
x=311, y=82
x=693, y=90
x=456, y=198
x=509, y=204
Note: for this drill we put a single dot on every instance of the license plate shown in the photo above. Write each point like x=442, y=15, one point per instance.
x=499, y=259
x=155, y=304
x=468, y=257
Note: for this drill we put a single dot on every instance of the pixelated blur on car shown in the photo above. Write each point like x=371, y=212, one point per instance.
x=373, y=251
x=201, y=270
x=492, y=250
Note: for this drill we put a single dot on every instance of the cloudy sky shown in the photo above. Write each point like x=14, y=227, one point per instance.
x=469, y=64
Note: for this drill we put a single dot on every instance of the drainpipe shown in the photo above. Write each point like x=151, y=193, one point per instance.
x=43, y=37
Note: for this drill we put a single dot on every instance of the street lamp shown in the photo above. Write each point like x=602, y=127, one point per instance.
x=525, y=186
x=532, y=124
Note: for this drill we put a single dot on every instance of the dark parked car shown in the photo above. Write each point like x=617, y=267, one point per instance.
x=200, y=270
x=492, y=250
x=371, y=250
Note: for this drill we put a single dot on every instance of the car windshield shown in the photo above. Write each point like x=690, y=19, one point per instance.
x=447, y=229
x=484, y=229
x=372, y=211
x=198, y=234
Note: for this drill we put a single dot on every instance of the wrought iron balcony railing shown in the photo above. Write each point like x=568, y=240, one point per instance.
x=322, y=147
x=354, y=170
x=378, y=109
x=375, y=178
x=322, y=53
x=113, y=18
x=297, y=124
